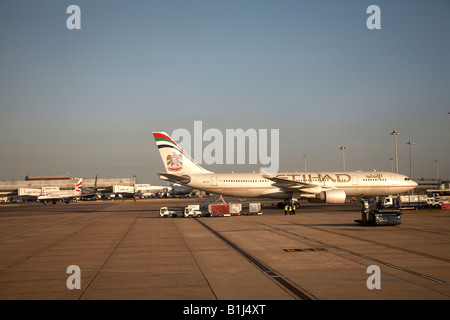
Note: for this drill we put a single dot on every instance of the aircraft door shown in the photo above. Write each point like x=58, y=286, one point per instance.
x=394, y=180
x=213, y=181
x=355, y=180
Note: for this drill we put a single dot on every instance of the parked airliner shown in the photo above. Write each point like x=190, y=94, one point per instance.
x=329, y=187
x=65, y=195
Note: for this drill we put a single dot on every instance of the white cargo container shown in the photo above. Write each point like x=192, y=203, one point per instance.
x=254, y=208
x=235, y=208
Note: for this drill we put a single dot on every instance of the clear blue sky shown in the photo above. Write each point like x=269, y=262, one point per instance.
x=86, y=101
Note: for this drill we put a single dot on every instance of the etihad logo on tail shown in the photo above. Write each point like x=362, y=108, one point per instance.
x=174, y=162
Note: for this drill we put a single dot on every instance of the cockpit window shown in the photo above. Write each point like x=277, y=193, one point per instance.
x=406, y=179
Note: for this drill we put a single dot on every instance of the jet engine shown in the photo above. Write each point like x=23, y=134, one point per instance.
x=332, y=196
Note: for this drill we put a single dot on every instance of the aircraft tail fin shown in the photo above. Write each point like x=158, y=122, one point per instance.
x=175, y=159
x=78, y=185
x=95, y=184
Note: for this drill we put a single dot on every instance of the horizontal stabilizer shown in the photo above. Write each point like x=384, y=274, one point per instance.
x=183, y=179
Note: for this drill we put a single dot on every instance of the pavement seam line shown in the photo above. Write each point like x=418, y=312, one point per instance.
x=281, y=280
x=203, y=274
x=109, y=256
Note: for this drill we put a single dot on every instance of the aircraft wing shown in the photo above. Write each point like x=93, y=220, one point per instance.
x=183, y=179
x=291, y=185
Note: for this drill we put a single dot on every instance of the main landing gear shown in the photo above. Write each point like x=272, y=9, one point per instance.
x=281, y=205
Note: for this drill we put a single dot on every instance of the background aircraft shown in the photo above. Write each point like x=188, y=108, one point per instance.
x=65, y=195
x=90, y=193
x=177, y=189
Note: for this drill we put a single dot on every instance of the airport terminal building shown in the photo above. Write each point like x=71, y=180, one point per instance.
x=63, y=182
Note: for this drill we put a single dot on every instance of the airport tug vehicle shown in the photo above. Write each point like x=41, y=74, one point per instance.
x=164, y=212
x=192, y=211
x=387, y=217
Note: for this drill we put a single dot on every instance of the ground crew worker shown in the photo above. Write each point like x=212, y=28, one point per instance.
x=364, y=209
x=286, y=208
x=293, y=209
x=290, y=209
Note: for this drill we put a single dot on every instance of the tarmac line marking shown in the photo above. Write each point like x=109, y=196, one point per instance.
x=269, y=272
x=97, y=213
x=35, y=228
x=109, y=256
x=196, y=262
x=358, y=254
x=222, y=274
x=376, y=243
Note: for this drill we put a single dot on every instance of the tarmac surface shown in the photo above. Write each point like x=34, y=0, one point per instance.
x=124, y=250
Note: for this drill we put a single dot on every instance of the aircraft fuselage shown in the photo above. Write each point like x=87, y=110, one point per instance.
x=256, y=185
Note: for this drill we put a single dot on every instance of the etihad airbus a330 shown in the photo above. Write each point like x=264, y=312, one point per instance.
x=329, y=187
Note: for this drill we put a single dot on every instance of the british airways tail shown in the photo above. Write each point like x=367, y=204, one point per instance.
x=78, y=185
x=175, y=159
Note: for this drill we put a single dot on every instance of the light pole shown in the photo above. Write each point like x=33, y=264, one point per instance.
x=343, y=156
x=305, y=156
x=437, y=169
x=395, y=134
x=410, y=161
